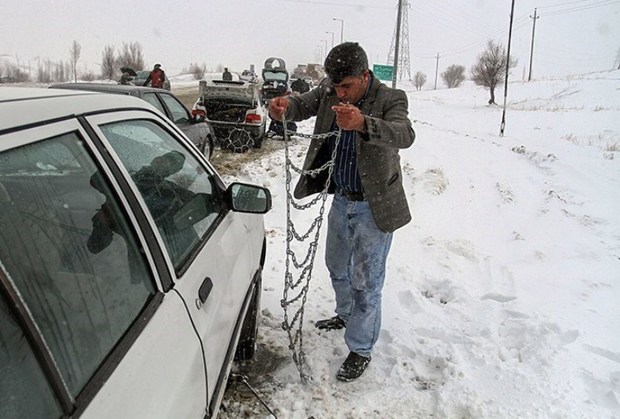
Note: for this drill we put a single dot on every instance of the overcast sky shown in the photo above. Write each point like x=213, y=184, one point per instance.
x=572, y=36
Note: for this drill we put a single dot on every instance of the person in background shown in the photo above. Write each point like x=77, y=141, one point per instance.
x=156, y=77
x=300, y=86
x=226, y=75
x=369, y=201
x=125, y=78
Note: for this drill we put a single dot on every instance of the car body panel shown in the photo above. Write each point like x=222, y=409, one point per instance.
x=163, y=392
x=249, y=75
x=201, y=133
x=158, y=367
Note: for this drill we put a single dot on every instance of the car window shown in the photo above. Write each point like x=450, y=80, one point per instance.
x=275, y=75
x=24, y=391
x=178, y=191
x=177, y=110
x=153, y=100
x=68, y=248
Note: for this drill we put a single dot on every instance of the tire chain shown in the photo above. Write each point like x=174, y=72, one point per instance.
x=239, y=140
x=303, y=266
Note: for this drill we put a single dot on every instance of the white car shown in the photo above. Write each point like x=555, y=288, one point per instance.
x=130, y=274
x=234, y=109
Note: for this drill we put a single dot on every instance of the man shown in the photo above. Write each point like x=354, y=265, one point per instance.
x=157, y=77
x=369, y=201
x=300, y=86
x=226, y=75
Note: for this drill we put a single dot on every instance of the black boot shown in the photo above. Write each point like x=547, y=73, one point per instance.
x=334, y=323
x=352, y=367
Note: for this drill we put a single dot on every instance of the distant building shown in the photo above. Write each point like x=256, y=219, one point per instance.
x=312, y=71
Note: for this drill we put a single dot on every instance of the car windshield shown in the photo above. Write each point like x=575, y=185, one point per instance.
x=275, y=75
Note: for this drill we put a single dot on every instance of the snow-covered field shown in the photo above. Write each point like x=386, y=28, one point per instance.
x=502, y=296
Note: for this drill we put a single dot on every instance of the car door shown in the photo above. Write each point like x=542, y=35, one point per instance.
x=214, y=257
x=170, y=106
x=89, y=325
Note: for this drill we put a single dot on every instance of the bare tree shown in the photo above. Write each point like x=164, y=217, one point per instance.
x=12, y=73
x=88, y=75
x=198, y=71
x=419, y=79
x=453, y=76
x=131, y=56
x=43, y=72
x=490, y=68
x=75, y=52
x=108, y=62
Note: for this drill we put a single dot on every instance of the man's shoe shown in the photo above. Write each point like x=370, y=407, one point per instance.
x=334, y=323
x=352, y=367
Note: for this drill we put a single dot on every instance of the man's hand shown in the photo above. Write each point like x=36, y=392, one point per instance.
x=349, y=117
x=277, y=107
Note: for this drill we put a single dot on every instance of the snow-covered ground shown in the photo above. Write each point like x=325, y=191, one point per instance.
x=502, y=296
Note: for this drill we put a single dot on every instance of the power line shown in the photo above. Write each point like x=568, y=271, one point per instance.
x=580, y=8
x=551, y=6
x=331, y=3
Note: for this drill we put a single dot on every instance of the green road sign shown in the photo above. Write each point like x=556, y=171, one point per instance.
x=383, y=72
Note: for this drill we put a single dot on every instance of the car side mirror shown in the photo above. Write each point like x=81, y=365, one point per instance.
x=243, y=197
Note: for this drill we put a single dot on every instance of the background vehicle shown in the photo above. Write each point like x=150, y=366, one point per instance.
x=142, y=75
x=275, y=79
x=199, y=131
x=249, y=75
x=235, y=110
x=130, y=274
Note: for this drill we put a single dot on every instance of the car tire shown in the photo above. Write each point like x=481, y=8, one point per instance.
x=208, y=147
x=238, y=141
x=246, y=348
x=258, y=143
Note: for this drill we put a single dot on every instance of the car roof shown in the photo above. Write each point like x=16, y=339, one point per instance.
x=20, y=106
x=109, y=88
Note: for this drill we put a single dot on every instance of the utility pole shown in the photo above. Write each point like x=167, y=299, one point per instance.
x=332, y=37
x=341, y=28
x=503, y=123
x=397, y=43
x=436, y=71
x=534, y=18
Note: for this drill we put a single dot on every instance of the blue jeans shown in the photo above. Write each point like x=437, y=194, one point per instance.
x=356, y=252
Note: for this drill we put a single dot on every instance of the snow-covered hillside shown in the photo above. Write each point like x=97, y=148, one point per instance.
x=501, y=297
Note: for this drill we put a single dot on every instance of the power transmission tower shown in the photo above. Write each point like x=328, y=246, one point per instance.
x=401, y=39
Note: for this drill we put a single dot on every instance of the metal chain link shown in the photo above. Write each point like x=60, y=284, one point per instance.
x=239, y=140
x=299, y=287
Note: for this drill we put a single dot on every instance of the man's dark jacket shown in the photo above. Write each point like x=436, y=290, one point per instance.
x=388, y=130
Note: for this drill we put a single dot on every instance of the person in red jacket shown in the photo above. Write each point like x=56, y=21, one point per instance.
x=156, y=77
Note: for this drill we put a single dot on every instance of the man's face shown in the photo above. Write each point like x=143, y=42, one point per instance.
x=352, y=89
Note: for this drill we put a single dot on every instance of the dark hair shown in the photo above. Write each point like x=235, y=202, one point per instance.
x=345, y=60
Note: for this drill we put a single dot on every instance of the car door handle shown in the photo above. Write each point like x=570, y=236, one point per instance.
x=204, y=291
